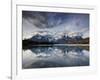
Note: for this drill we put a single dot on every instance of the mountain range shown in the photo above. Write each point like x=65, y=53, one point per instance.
x=38, y=39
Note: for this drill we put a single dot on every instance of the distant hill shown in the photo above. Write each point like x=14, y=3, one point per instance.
x=80, y=41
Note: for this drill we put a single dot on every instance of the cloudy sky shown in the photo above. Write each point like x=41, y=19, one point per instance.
x=33, y=21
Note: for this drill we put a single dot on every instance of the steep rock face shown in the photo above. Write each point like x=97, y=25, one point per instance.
x=41, y=38
x=60, y=39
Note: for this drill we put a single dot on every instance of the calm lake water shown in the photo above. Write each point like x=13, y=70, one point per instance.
x=55, y=56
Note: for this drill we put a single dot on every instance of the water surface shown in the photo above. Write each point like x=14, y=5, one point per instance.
x=55, y=56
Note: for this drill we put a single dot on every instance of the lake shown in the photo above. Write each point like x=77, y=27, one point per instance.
x=55, y=56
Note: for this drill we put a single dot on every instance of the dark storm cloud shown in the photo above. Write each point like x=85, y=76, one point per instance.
x=55, y=22
x=53, y=19
x=35, y=18
x=44, y=19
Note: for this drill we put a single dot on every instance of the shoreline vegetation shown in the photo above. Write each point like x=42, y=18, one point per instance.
x=27, y=44
x=71, y=41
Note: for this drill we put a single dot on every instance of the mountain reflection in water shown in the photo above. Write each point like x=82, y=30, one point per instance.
x=55, y=56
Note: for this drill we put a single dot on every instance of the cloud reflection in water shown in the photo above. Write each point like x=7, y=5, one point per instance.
x=55, y=56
